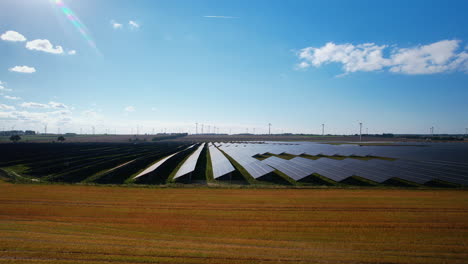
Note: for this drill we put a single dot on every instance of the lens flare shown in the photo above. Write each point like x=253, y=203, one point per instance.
x=75, y=21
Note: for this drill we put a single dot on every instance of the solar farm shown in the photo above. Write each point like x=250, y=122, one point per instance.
x=240, y=163
x=237, y=202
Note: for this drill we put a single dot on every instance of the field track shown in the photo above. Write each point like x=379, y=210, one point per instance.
x=87, y=224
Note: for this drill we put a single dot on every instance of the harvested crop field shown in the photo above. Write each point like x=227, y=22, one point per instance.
x=99, y=224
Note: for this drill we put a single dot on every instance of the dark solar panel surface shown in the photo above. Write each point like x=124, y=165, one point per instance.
x=416, y=162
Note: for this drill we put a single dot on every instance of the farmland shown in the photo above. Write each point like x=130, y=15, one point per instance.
x=109, y=138
x=112, y=138
x=97, y=224
x=243, y=204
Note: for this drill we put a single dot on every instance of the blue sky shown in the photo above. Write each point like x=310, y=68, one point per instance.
x=396, y=66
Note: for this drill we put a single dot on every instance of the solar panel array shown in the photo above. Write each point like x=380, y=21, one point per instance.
x=221, y=165
x=190, y=163
x=418, y=162
x=253, y=166
x=159, y=163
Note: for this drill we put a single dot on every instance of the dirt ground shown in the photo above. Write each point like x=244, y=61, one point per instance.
x=88, y=224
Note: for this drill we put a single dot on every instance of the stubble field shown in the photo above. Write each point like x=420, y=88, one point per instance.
x=87, y=224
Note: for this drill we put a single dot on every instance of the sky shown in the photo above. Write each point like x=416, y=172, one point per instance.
x=127, y=66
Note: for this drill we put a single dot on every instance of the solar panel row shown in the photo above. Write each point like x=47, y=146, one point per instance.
x=159, y=163
x=253, y=166
x=190, y=163
x=220, y=164
x=414, y=163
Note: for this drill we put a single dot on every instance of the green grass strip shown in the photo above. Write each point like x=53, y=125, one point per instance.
x=209, y=167
x=170, y=178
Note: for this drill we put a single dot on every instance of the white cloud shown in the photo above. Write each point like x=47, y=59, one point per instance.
x=43, y=45
x=437, y=57
x=116, y=25
x=6, y=107
x=133, y=24
x=23, y=69
x=11, y=97
x=303, y=65
x=57, y=105
x=3, y=88
x=31, y=118
x=12, y=36
x=129, y=109
x=34, y=105
x=51, y=104
x=433, y=58
x=363, y=57
x=72, y=52
x=220, y=16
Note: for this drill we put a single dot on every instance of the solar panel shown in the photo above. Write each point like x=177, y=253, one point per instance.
x=324, y=167
x=221, y=165
x=331, y=170
x=190, y=163
x=253, y=166
x=415, y=162
x=291, y=169
x=370, y=170
x=159, y=163
x=409, y=172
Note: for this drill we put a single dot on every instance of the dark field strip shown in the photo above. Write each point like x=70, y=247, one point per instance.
x=91, y=224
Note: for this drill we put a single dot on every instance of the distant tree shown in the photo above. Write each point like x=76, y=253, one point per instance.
x=61, y=138
x=15, y=138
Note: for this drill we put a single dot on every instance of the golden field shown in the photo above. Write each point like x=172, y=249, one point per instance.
x=88, y=224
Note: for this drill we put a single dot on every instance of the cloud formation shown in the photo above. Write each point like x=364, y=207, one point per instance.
x=23, y=69
x=51, y=104
x=44, y=45
x=6, y=107
x=33, y=105
x=13, y=36
x=72, y=52
x=438, y=57
x=59, y=117
x=133, y=24
x=115, y=25
x=11, y=97
x=57, y=105
x=3, y=88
